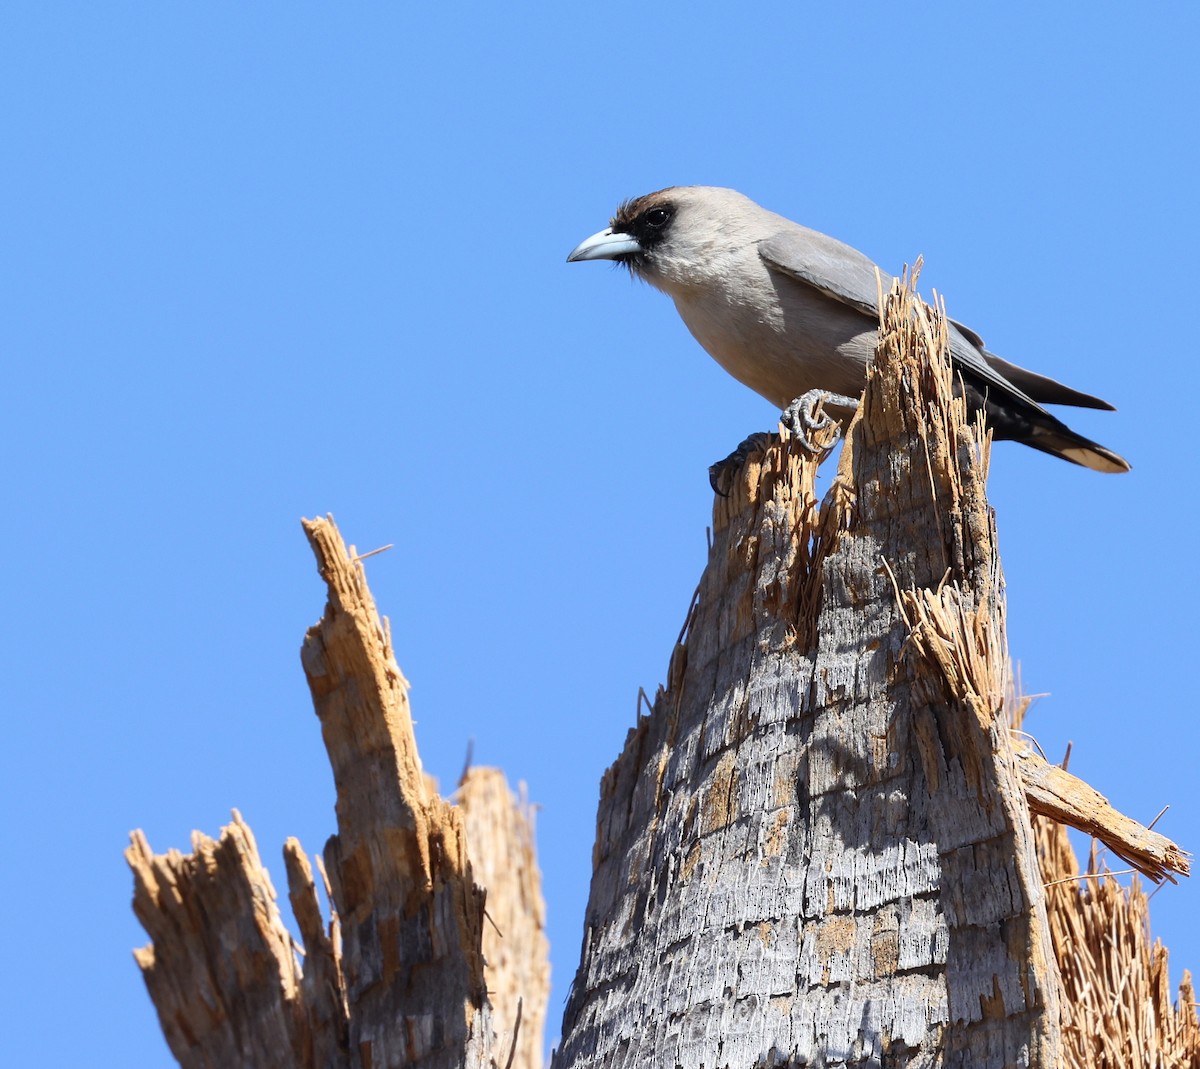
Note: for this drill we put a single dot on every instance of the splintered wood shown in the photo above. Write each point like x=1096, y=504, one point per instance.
x=397, y=977
x=1117, y=1000
x=411, y=913
x=220, y=969
x=964, y=645
x=1053, y=792
x=816, y=849
x=500, y=842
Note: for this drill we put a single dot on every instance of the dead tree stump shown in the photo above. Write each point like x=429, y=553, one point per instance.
x=817, y=848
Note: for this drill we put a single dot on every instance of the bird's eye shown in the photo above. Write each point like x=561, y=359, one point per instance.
x=656, y=218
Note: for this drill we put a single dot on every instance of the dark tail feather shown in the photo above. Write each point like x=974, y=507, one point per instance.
x=1013, y=417
x=1059, y=440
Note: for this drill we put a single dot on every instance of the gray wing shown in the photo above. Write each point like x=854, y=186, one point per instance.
x=846, y=275
x=1044, y=389
x=828, y=265
x=1041, y=388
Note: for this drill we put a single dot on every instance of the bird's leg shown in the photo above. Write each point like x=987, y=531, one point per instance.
x=720, y=474
x=806, y=414
x=800, y=419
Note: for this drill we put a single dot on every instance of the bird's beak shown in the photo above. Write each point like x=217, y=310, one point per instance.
x=607, y=245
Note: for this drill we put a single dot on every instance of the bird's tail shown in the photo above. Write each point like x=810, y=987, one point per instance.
x=1056, y=438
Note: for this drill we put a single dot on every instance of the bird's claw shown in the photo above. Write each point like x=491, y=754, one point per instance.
x=720, y=474
x=806, y=416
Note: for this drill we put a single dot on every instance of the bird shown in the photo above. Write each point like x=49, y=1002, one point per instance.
x=794, y=314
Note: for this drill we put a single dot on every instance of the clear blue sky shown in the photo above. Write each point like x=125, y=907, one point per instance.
x=268, y=261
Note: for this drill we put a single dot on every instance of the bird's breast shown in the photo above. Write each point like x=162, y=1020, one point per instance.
x=778, y=340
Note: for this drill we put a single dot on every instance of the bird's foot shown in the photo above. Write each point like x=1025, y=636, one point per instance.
x=806, y=416
x=720, y=474
x=803, y=419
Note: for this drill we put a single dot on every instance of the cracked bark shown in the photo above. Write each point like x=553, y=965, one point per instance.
x=816, y=849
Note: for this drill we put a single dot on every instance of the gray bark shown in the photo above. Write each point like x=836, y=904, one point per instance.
x=816, y=850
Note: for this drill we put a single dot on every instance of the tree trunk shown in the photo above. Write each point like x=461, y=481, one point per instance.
x=816, y=850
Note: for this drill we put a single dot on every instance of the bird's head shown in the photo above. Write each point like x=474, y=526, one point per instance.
x=676, y=236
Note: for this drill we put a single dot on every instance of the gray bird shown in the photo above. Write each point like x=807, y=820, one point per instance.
x=794, y=314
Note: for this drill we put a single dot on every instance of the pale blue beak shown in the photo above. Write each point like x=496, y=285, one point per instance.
x=606, y=245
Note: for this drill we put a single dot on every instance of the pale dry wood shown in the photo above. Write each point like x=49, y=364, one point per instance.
x=220, y=969
x=500, y=846
x=322, y=980
x=397, y=977
x=963, y=647
x=815, y=850
x=410, y=911
x=1053, y=792
x=1117, y=1004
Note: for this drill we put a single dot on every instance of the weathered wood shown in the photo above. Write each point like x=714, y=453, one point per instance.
x=398, y=977
x=1055, y=793
x=816, y=849
x=327, y=1015
x=500, y=845
x=1117, y=999
x=220, y=969
x=411, y=913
